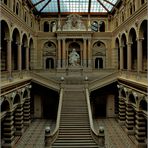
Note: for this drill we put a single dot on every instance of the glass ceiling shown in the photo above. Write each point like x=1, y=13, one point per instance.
x=74, y=5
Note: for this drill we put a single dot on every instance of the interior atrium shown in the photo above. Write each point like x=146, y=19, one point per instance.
x=74, y=74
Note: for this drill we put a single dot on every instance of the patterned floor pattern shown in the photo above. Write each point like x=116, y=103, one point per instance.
x=115, y=136
x=34, y=135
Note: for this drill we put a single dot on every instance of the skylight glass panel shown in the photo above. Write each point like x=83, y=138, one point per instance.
x=113, y=1
x=51, y=7
x=96, y=7
x=74, y=5
x=107, y=5
x=41, y=5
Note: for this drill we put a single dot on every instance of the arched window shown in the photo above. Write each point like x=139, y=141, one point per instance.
x=122, y=16
x=17, y=8
x=142, y=2
x=14, y=6
x=46, y=27
x=133, y=5
x=102, y=26
x=94, y=26
x=131, y=9
x=5, y=2
x=25, y=17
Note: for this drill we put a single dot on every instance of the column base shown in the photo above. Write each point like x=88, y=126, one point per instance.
x=129, y=132
x=19, y=133
x=26, y=123
x=140, y=145
x=121, y=122
x=8, y=145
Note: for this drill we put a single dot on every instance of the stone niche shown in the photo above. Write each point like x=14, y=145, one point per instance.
x=74, y=23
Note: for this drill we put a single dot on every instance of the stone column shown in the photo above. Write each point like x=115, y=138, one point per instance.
x=20, y=56
x=18, y=118
x=84, y=53
x=63, y=54
x=89, y=54
x=59, y=53
x=9, y=56
x=8, y=131
x=139, y=55
x=140, y=132
x=121, y=57
x=129, y=57
x=129, y=119
x=27, y=112
x=122, y=109
x=27, y=58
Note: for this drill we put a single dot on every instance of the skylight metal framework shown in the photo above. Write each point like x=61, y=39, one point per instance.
x=61, y=6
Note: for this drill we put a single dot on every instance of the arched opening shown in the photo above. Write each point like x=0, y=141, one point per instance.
x=133, y=40
x=94, y=26
x=99, y=54
x=25, y=95
x=16, y=99
x=143, y=105
x=124, y=45
x=5, y=106
x=118, y=52
x=17, y=9
x=132, y=99
x=5, y=2
x=123, y=94
x=49, y=63
x=31, y=50
x=98, y=63
x=24, y=46
x=53, y=26
x=102, y=26
x=14, y=47
x=4, y=44
x=74, y=46
x=143, y=35
x=46, y=26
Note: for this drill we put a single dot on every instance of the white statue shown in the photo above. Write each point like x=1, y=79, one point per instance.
x=74, y=58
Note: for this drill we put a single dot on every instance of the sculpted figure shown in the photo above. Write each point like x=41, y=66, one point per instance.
x=74, y=58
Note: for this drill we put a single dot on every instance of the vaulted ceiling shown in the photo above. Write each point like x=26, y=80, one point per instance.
x=73, y=6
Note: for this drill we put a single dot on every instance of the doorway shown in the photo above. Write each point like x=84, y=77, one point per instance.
x=98, y=63
x=49, y=63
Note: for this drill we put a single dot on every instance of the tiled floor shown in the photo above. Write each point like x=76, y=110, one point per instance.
x=34, y=135
x=115, y=136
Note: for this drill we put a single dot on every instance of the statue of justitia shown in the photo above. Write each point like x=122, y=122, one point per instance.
x=74, y=58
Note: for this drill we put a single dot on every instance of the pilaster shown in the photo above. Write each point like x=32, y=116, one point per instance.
x=121, y=57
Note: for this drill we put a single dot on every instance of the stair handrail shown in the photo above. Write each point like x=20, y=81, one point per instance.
x=98, y=137
x=51, y=137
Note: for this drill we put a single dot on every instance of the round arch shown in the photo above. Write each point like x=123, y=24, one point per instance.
x=5, y=38
x=124, y=46
x=143, y=37
x=31, y=53
x=133, y=41
x=14, y=47
x=117, y=48
x=24, y=48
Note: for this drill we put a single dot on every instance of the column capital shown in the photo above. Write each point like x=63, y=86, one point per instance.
x=129, y=43
x=139, y=39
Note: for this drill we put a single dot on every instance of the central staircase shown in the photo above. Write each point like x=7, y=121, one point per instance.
x=74, y=130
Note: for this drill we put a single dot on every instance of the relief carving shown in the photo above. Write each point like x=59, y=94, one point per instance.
x=74, y=23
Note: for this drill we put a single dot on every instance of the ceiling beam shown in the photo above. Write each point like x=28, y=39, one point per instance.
x=109, y=2
x=36, y=4
x=103, y=5
x=59, y=9
x=89, y=6
x=44, y=6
